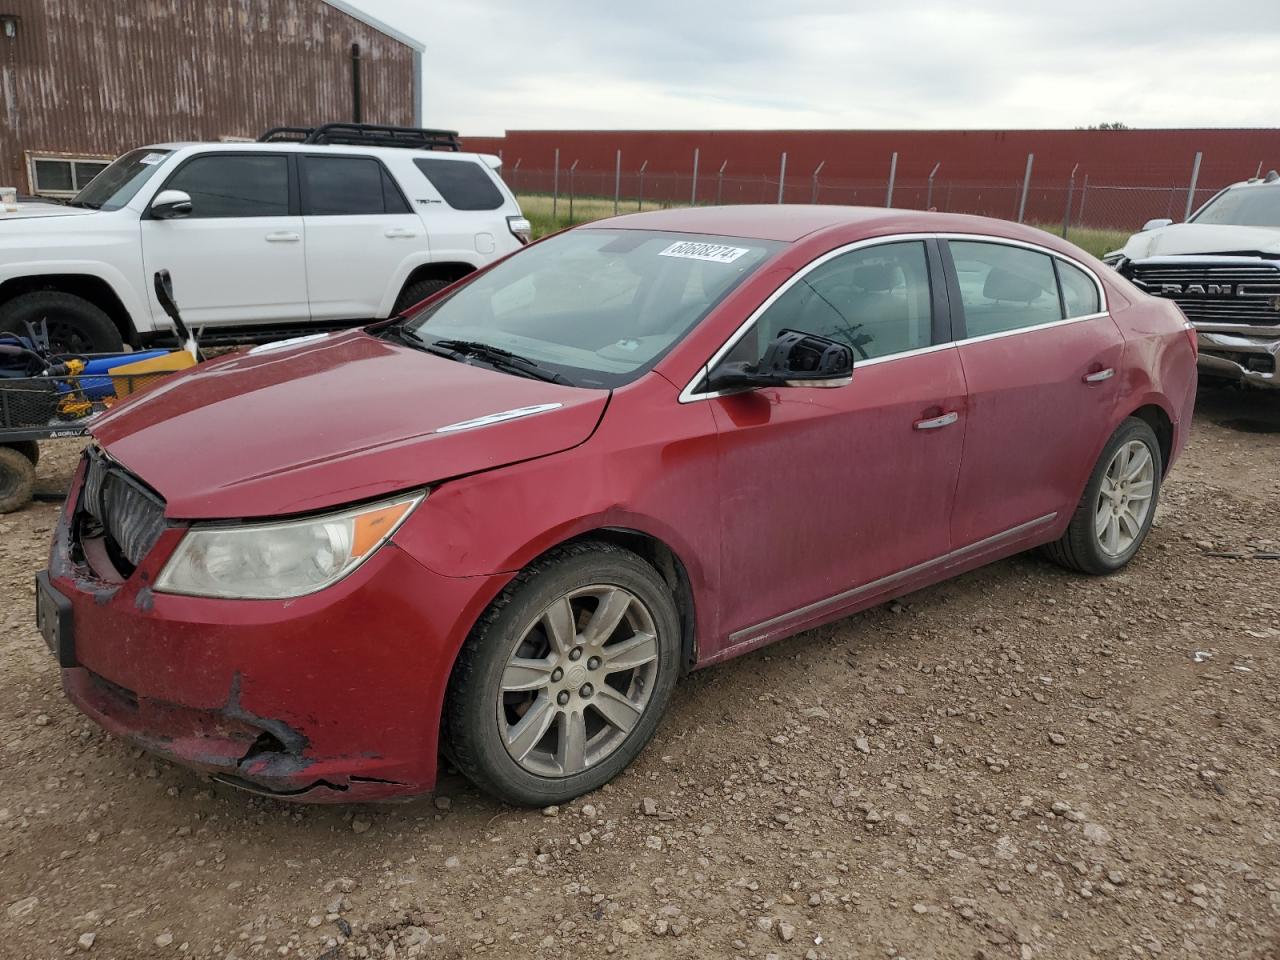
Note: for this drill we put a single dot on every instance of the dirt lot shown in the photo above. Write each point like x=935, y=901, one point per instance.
x=1020, y=763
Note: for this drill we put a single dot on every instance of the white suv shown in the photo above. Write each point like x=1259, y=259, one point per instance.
x=304, y=229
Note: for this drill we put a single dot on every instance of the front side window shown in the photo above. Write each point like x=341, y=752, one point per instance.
x=876, y=300
x=114, y=186
x=463, y=184
x=348, y=186
x=1004, y=288
x=597, y=306
x=1243, y=207
x=227, y=185
x=1079, y=292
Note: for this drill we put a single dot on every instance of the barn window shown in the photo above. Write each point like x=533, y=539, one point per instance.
x=63, y=176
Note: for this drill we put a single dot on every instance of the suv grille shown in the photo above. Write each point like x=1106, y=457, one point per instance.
x=131, y=516
x=1215, y=293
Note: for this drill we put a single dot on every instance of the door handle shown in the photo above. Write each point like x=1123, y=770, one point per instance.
x=283, y=236
x=397, y=232
x=1098, y=376
x=936, y=423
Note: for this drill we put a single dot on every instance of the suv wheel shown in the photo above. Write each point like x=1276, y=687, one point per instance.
x=1119, y=503
x=565, y=677
x=417, y=292
x=74, y=324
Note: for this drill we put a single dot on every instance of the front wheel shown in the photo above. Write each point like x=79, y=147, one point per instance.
x=1119, y=503
x=565, y=677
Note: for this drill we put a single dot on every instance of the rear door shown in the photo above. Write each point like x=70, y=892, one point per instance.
x=239, y=257
x=464, y=209
x=1042, y=361
x=359, y=231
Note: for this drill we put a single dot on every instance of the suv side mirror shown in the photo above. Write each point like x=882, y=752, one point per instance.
x=794, y=359
x=171, y=205
x=1155, y=224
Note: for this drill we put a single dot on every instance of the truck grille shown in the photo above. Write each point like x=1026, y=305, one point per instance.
x=131, y=516
x=1215, y=293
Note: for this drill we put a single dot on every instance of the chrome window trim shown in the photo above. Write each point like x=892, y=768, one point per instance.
x=688, y=394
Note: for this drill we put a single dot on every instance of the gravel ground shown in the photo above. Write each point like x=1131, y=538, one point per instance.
x=1018, y=763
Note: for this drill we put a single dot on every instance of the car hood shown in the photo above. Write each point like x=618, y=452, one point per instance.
x=31, y=210
x=1191, y=238
x=332, y=419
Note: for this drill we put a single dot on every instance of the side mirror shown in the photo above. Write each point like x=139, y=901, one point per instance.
x=1155, y=224
x=794, y=359
x=171, y=205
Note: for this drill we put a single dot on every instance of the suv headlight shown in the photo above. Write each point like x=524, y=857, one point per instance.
x=275, y=561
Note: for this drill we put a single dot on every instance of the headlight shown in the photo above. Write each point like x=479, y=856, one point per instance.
x=274, y=561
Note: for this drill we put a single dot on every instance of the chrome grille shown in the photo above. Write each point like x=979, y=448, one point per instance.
x=130, y=515
x=1232, y=293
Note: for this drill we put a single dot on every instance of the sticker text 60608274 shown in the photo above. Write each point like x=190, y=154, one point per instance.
x=693, y=250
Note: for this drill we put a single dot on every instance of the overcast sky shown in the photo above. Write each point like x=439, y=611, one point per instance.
x=493, y=65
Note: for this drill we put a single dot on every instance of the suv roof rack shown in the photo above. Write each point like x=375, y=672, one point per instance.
x=366, y=135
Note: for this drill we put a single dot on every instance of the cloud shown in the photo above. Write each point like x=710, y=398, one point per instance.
x=494, y=65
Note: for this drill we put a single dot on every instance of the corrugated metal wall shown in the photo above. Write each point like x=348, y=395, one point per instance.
x=103, y=76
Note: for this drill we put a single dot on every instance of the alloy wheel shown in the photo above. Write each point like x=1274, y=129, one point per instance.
x=578, y=680
x=1125, y=498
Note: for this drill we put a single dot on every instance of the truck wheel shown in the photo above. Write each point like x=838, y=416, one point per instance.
x=75, y=325
x=416, y=293
x=17, y=479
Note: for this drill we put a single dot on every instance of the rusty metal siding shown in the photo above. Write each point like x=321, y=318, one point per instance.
x=99, y=77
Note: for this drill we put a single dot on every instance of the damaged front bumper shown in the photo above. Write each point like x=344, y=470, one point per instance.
x=1247, y=355
x=333, y=697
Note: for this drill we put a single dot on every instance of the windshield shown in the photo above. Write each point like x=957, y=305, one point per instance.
x=598, y=307
x=1243, y=207
x=116, y=185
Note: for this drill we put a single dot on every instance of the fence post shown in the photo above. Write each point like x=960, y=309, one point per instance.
x=720, y=182
x=1066, y=214
x=573, y=168
x=640, y=198
x=555, y=191
x=893, y=175
x=928, y=203
x=1191, y=191
x=617, y=181
x=813, y=194
x=1026, y=185
x=782, y=176
x=514, y=171
x=1084, y=195
x=693, y=194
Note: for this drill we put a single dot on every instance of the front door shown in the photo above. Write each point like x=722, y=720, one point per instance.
x=1042, y=361
x=828, y=492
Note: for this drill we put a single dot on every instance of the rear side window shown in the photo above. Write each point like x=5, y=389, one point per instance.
x=464, y=184
x=1079, y=292
x=1004, y=288
x=348, y=186
x=235, y=186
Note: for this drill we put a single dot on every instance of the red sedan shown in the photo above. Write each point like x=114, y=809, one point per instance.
x=504, y=525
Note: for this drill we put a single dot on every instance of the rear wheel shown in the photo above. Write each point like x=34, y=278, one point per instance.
x=565, y=677
x=17, y=479
x=1114, y=515
x=417, y=292
x=73, y=323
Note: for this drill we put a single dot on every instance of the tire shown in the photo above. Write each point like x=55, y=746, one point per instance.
x=17, y=479
x=28, y=448
x=75, y=325
x=481, y=718
x=1083, y=547
x=417, y=292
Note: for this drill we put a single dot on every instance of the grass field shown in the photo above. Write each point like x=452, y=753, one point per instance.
x=537, y=207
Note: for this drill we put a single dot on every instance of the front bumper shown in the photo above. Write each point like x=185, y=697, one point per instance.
x=333, y=697
x=1242, y=355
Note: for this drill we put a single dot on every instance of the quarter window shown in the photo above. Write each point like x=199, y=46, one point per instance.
x=463, y=184
x=235, y=186
x=876, y=300
x=1004, y=288
x=1079, y=292
x=349, y=186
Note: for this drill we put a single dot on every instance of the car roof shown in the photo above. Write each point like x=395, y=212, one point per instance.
x=791, y=222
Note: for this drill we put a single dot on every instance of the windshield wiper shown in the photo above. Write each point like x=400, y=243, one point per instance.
x=84, y=204
x=494, y=356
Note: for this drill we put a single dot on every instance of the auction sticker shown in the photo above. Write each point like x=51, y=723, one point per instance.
x=693, y=250
x=152, y=158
